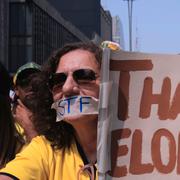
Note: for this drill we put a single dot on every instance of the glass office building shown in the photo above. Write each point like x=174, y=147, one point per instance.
x=4, y=16
x=35, y=30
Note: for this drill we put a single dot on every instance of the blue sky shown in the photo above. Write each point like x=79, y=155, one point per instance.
x=156, y=24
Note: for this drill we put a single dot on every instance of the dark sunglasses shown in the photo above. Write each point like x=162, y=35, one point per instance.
x=81, y=76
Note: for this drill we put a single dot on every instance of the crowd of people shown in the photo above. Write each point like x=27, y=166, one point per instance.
x=47, y=147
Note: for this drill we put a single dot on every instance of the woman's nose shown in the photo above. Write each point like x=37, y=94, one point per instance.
x=70, y=87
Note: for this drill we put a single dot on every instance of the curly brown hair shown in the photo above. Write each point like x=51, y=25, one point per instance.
x=51, y=65
x=39, y=101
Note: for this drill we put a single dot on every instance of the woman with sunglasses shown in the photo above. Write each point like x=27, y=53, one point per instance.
x=68, y=148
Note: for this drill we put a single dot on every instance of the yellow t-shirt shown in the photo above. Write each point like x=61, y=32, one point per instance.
x=38, y=161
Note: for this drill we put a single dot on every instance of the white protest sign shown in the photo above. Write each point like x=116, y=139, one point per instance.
x=144, y=116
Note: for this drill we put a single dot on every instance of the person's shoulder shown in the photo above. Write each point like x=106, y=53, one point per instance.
x=34, y=159
x=39, y=149
x=38, y=144
x=40, y=141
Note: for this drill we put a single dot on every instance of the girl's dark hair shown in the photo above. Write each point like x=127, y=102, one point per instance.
x=5, y=81
x=61, y=134
x=10, y=140
x=39, y=100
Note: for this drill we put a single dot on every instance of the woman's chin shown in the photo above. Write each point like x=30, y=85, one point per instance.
x=80, y=117
x=73, y=118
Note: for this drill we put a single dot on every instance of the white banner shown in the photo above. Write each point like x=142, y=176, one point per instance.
x=141, y=127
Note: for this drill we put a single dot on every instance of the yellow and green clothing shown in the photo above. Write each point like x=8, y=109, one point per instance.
x=39, y=161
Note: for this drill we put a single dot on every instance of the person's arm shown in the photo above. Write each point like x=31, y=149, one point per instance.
x=5, y=177
x=30, y=164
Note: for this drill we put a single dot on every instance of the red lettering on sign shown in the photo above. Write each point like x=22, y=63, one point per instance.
x=116, y=151
x=175, y=108
x=125, y=66
x=157, y=154
x=162, y=99
x=136, y=165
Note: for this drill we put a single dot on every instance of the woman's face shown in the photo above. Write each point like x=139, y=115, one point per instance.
x=70, y=63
